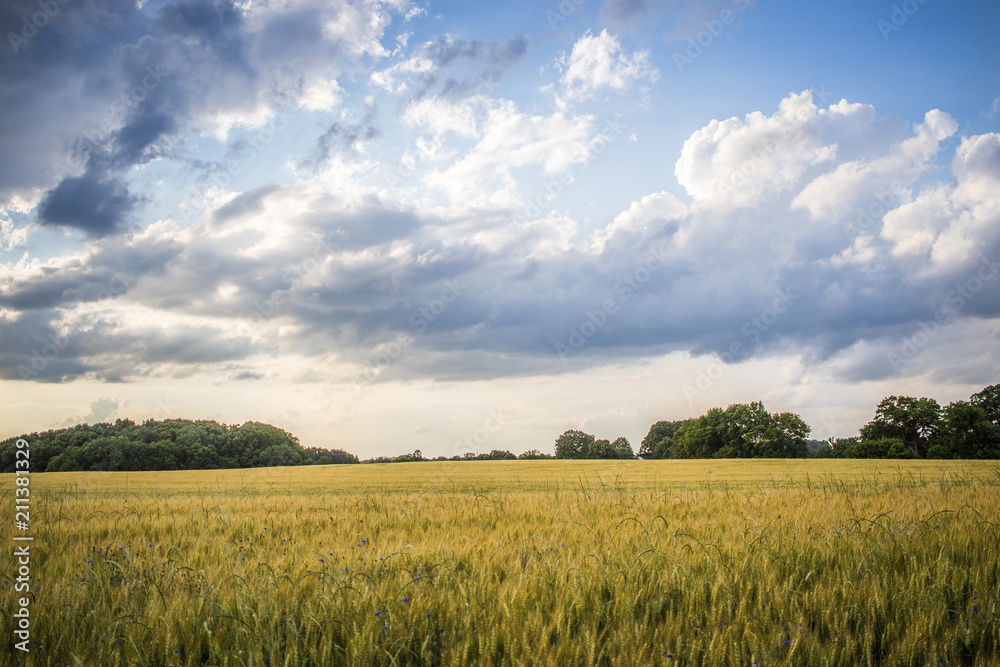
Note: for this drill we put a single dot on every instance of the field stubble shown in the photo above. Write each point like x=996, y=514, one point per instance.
x=548, y=562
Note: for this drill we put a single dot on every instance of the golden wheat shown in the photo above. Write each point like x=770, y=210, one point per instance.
x=519, y=563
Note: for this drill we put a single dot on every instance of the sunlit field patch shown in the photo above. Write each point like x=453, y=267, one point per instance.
x=548, y=562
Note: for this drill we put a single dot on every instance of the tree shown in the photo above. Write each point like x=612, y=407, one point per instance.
x=533, y=455
x=785, y=437
x=881, y=448
x=912, y=420
x=659, y=442
x=966, y=432
x=989, y=401
x=700, y=438
x=573, y=445
x=600, y=449
x=622, y=449
x=173, y=444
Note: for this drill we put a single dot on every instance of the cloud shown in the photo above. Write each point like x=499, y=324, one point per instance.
x=94, y=204
x=102, y=410
x=949, y=227
x=599, y=62
x=157, y=80
x=331, y=274
x=683, y=18
x=450, y=67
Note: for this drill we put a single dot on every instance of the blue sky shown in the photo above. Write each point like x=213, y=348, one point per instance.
x=381, y=225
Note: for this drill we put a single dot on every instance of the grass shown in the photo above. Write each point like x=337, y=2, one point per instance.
x=521, y=563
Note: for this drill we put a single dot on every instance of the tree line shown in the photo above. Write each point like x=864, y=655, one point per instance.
x=172, y=444
x=904, y=427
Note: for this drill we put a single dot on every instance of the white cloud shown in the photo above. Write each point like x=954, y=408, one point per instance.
x=599, y=62
x=741, y=162
x=951, y=226
x=642, y=219
x=509, y=139
x=441, y=116
x=836, y=194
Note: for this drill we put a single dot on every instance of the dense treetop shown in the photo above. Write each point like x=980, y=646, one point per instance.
x=903, y=427
x=173, y=444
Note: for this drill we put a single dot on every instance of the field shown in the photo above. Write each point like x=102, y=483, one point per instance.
x=524, y=562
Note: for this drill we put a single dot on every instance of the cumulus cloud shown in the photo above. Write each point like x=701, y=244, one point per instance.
x=598, y=63
x=342, y=276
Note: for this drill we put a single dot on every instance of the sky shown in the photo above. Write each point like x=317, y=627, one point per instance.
x=457, y=227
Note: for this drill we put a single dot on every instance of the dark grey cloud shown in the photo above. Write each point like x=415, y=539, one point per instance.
x=96, y=204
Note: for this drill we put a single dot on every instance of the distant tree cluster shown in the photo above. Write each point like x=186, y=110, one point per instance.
x=495, y=455
x=739, y=431
x=906, y=428
x=903, y=428
x=173, y=444
x=579, y=445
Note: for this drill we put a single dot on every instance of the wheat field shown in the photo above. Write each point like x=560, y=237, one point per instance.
x=515, y=563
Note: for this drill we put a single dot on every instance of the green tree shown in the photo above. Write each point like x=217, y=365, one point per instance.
x=534, y=455
x=879, y=448
x=573, y=445
x=966, y=432
x=989, y=401
x=912, y=420
x=600, y=449
x=700, y=438
x=622, y=448
x=659, y=442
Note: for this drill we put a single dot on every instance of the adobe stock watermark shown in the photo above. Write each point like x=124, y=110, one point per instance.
x=469, y=444
x=135, y=95
x=741, y=176
x=956, y=299
x=713, y=30
x=386, y=354
x=562, y=12
x=554, y=188
x=624, y=289
x=49, y=9
x=404, y=169
x=56, y=343
x=899, y=16
x=269, y=308
x=866, y=218
x=752, y=329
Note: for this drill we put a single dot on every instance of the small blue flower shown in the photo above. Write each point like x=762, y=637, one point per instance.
x=429, y=614
x=385, y=627
x=378, y=613
x=787, y=642
x=321, y=560
x=406, y=599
